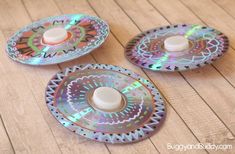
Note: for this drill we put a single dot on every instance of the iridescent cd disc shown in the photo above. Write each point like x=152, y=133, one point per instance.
x=57, y=39
x=154, y=50
x=70, y=93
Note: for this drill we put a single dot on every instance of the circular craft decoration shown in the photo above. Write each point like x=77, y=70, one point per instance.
x=69, y=98
x=149, y=49
x=57, y=39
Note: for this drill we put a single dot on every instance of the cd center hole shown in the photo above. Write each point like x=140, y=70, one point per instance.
x=106, y=99
x=55, y=36
x=176, y=43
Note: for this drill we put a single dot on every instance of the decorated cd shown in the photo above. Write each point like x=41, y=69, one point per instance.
x=176, y=47
x=105, y=103
x=57, y=39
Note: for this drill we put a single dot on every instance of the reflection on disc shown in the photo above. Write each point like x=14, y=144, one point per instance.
x=69, y=94
x=204, y=46
x=57, y=39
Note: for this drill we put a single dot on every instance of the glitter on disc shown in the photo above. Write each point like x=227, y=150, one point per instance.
x=205, y=46
x=68, y=98
x=84, y=34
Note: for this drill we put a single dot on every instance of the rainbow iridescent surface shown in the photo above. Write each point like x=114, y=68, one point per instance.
x=85, y=33
x=67, y=99
x=147, y=49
